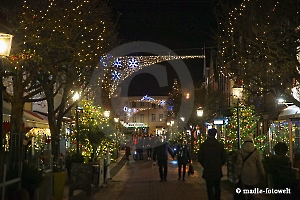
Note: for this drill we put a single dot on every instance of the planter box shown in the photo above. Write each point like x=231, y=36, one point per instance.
x=59, y=181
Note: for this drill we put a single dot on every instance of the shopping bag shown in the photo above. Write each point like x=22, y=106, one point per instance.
x=191, y=170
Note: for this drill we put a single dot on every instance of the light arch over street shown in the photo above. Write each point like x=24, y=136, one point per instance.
x=119, y=68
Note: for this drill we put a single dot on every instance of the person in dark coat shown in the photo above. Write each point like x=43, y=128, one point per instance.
x=139, y=148
x=160, y=154
x=127, y=151
x=183, y=157
x=212, y=157
x=149, y=147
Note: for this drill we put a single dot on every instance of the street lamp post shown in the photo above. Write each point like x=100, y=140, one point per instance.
x=237, y=94
x=76, y=98
x=169, y=135
x=116, y=120
x=5, y=47
x=200, y=113
x=172, y=123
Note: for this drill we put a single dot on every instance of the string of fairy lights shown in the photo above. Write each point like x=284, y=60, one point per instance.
x=231, y=39
x=250, y=47
x=61, y=25
x=119, y=68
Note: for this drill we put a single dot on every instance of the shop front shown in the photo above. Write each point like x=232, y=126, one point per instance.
x=286, y=129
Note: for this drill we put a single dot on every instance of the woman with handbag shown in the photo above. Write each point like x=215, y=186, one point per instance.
x=183, y=157
x=249, y=167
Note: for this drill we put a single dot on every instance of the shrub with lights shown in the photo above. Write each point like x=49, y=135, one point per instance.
x=97, y=135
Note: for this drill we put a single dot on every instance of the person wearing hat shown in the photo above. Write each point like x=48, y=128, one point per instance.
x=212, y=156
x=249, y=167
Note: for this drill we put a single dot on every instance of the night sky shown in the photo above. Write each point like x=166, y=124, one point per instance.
x=181, y=25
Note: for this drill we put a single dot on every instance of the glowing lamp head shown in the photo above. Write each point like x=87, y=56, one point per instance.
x=76, y=96
x=237, y=92
x=107, y=113
x=5, y=44
x=5, y=37
x=200, y=112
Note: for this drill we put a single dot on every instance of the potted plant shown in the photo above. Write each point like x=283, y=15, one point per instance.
x=59, y=179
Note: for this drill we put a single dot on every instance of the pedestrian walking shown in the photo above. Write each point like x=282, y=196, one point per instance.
x=160, y=154
x=127, y=151
x=249, y=167
x=149, y=147
x=183, y=157
x=212, y=157
x=139, y=148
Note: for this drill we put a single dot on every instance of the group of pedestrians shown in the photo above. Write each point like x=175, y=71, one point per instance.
x=212, y=156
x=146, y=143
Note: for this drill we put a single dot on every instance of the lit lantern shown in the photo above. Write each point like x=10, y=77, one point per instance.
x=5, y=37
x=200, y=112
x=107, y=113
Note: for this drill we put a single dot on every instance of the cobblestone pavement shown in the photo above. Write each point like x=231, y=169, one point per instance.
x=136, y=180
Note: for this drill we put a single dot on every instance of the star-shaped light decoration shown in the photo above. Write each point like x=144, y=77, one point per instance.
x=118, y=63
x=133, y=63
x=116, y=75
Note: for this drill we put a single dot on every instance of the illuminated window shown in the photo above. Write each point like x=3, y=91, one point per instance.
x=161, y=117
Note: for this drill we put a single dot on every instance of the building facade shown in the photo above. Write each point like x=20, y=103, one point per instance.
x=143, y=115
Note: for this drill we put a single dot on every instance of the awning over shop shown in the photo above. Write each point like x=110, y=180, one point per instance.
x=290, y=112
x=31, y=120
x=271, y=115
x=35, y=120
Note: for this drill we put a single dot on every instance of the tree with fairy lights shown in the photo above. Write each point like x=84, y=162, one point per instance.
x=173, y=104
x=56, y=47
x=259, y=42
x=97, y=134
x=174, y=99
x=247, y=121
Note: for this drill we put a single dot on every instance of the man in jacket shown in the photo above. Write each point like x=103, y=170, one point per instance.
x=160, y=154
x=212, y=157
